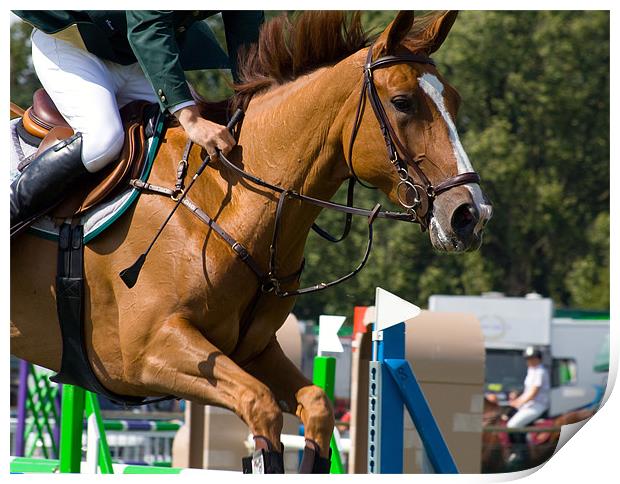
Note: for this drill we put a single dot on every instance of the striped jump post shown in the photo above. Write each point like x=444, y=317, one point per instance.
x=393, y=386
x=38, y=413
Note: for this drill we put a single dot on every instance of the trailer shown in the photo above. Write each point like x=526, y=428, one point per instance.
x=570, y=345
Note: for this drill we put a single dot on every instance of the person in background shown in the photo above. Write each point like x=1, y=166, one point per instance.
x=531, y=404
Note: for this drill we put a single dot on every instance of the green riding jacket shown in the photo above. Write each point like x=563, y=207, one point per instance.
x=165, y=43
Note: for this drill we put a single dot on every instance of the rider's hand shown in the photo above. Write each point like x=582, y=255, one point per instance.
x=207, y=134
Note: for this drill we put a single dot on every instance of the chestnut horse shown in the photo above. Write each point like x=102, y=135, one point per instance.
x=177, y=332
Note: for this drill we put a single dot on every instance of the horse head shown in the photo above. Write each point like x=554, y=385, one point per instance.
x=430, y=174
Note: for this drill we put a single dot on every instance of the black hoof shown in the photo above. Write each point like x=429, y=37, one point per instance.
x=312, y=462
x=263, y=462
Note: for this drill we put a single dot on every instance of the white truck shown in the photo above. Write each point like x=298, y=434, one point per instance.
x=510, y=324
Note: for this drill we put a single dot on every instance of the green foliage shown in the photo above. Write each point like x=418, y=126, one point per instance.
x=535, y=123
x=587, y=280
x=23, y=78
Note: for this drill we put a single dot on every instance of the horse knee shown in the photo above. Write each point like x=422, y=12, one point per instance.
x=258, y=408
x=316, y=410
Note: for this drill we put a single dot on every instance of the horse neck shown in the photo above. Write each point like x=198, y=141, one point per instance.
x=292, y=135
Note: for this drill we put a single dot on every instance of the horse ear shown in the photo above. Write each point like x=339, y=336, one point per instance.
x=393, y=35
x=437, y=32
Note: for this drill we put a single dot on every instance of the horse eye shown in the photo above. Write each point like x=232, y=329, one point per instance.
x=402, y=104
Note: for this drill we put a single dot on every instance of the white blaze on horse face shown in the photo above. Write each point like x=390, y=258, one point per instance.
x=434, y=89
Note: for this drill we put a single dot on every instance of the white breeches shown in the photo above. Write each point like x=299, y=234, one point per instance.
x=88, y=92
x=526, y=415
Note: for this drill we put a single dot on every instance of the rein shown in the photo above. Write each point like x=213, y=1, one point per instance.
x=418, y=210
x=270, y=281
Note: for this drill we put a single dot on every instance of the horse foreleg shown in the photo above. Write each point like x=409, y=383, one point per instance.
x=297, y=395
x=180, y=361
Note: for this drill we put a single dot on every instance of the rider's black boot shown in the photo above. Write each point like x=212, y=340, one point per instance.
x=43, y=183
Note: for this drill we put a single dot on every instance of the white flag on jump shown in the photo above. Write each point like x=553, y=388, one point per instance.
x=328, y=334
x=391, y=310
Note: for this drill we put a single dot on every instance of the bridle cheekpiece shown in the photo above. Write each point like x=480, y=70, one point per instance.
x=415, y=195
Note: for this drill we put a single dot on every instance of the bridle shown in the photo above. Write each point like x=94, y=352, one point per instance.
x=417, y=210
x=416, y=196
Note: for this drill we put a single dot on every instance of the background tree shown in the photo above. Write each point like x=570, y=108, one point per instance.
x=23, y=78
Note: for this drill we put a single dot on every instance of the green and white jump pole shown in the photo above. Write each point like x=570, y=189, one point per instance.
x=324, y=373
x=77, y=404
x=31, y=465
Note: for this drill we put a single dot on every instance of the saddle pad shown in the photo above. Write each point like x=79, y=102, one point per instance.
x=96, y=220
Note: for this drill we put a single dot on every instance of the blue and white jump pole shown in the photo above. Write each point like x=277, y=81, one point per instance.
x=393, y=385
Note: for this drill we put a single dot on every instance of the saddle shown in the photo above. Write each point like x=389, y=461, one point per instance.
x=43, y=122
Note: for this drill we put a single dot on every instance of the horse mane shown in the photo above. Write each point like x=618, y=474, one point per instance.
x=288, y=48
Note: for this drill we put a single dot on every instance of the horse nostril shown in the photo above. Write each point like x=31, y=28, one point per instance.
x=464, y=218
